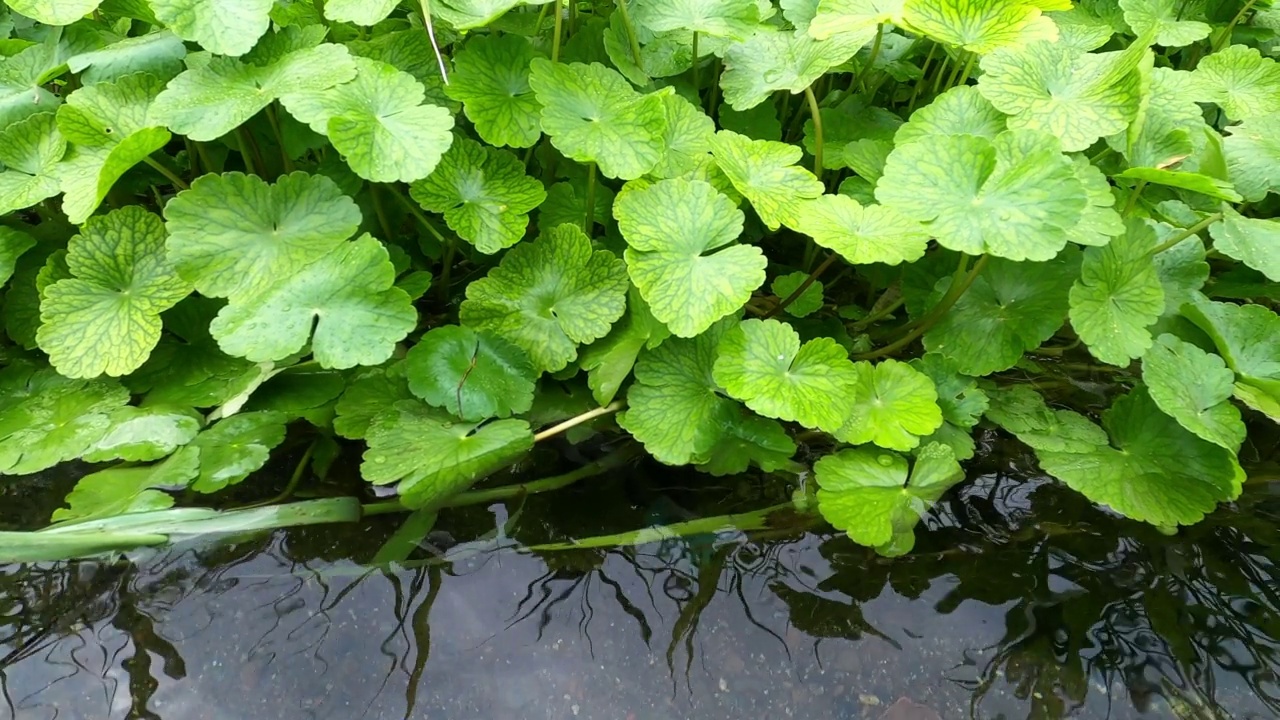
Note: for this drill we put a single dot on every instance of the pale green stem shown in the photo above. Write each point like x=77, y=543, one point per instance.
x=171, y=175
x=589, y=222
x=695, y=63
x=871, y=59
x=816, y=115
x=1173, y=241
x=953, y=294
x=555, y=40
x=631, y=33
x=573, y=422
x=1225, y=36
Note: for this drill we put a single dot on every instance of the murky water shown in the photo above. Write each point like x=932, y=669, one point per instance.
x=1020, y=600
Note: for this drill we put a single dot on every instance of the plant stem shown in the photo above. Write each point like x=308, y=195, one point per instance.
x=446, y=269
x=422, y=219
x=924, y=72
x=1225, y=36
x=1133, y=197
x=631, y=32
x=285, y=161
x=577, y=420
x=555, y=39
x=871, y=60
x=816, y=115
x=883, y=312
x=589, y=222
x=968, y=68
x=1176, y=239
x=380, y=212
x=715, y=88
x=294, y=481
x=171, y=175
x=828, y=262
x=252, y=161
x=696, y=88
x=431, y=35
x=942, y=71
x=957, y=289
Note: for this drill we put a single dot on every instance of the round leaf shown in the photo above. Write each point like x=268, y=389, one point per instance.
x=1118, y=296
x=491, y=79
x=765, y=172
x=1193, y=387
x=862, y=235
x=472, y=375
x=894, y=405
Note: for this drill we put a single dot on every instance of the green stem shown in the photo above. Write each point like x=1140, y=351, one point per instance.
x=1173, y=241
x=294, y=481
x=924, y=73
x=381, y=212
x=507, y=492
x=446, y=269
x=957, y=289
x=816, y=115
x=947, y=62
x=968, y=68
x=589, y=222
x=171, y=175
x=1133, y=197
x=631, y=33
x=252, y=160
x=1225, y=36
x=431, y=35
x=831, y=259
x=883, y=312
x=285, y=161
x=577, y=420
x=422, y=219
x=696, y=89
x=871, y=60
x=555, y=40
x=715, y=88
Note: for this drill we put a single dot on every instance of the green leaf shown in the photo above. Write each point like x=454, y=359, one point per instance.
x=566, y=203
x=593, y=115
x=548, y=296
x=1167, y=19
x=1248, y=338
x=1152, y=470
x=1252, y=150
x=469, y=14
x=233, y=234
x=854, y=119
x=1253, y=241
x=1021, y=411
x=1077, y=96
x=483, y=193
x=22, y=79
x=13, y=243
x=491, y=79
x=772, y=60
x=54, y=12
x=960, y=400
x=123, y=490
x=375, y=390
x=862, y=235
x=894, y=405
x=853, y=16
x=1118, y=296
x=106, y=318
x=378, y=121
x=669, y=228
x=473, y=375
x=1009, y=309
x=1240, y=81
x=609, y=360
x=748, y=440
x=433, y=457
x=46, y=419
x=112, y=130
x=868, y=494
x=223, y=27
x=146, y=433
x=765, y=172
x=723, y=18
x=1193, y=387
x=29, y=151
x=760, y=122
x=1081, y=28
x=979, y=26
x=233, y=448
x=959, y=111
x=359, y=12
x=1015, y=197
x=687, y=138
x=808, y=302
x=208, y=101
x=1195, y=182
x=1099, y=222
x=345, y=304
x=762, y=363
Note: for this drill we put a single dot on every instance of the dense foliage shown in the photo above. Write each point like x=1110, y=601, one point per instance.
x=850, y=232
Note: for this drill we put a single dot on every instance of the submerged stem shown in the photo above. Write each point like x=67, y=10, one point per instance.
x=816, y=115
x=577, y=420
x=294, y=480
x=957, y=289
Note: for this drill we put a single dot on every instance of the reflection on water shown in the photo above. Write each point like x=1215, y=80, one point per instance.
x=1019, y=601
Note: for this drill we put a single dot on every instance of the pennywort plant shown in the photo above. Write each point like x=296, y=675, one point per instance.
x=845, y=234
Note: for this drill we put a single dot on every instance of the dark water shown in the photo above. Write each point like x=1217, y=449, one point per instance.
x=1020, y=600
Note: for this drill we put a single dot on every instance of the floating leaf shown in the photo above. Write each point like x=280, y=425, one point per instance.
x=483, y=193
x=491, y=79
x=979, y=27
x=548, y=296
x=473, y=375
x=1151, y=469
x=807, y=303
x=1252, y=150
x=868, y=494
x=894, y=405
x=668, y=227
x=1253, y=241
x=1240, y=81
x=208, y=101
x=22, y=91
x=359, y=12
x=1015, y=197
x=1118, y=296
x=762, y=363
x=223, y=27
x=1099, y=222
x=750, y=440
x=765, y=172
x=772, y=60
x=1077, y=96
x=46, y=419
x=960, y=400
x=862, y=235
x=686, y=140
x=432, y=457
x=1020, y=410
x=234, y=447
x=29, y=151
x=378, y=121
x=566, y=203
x=233, y=234
x=593, y=115
x=1009, y=309
x=106, y=318
x=1193, y=387
x=1195, y=182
